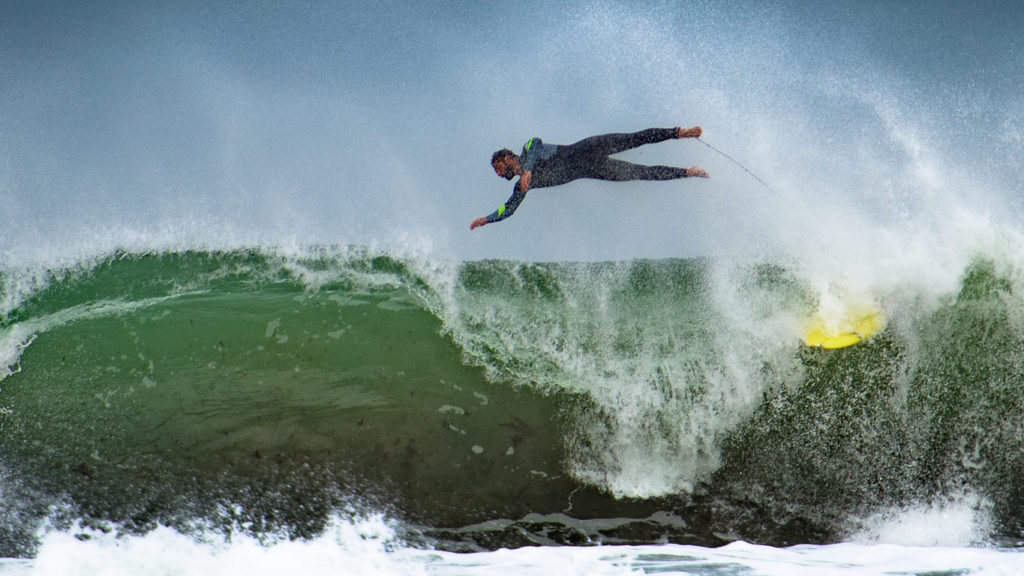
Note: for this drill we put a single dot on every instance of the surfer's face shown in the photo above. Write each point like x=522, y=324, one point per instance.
x=505, y=167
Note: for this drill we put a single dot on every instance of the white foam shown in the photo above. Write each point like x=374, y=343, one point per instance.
x=368, y=547
x=962, y=520
x=357, y=547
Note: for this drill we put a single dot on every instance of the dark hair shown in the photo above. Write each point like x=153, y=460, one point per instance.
x=502, y=154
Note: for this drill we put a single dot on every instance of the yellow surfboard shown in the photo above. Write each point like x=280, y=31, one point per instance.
x=834, y=331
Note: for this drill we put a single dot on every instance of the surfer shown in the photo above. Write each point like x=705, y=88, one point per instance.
x=543, y=165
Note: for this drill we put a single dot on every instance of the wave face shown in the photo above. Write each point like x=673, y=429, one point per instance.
x=496, y=403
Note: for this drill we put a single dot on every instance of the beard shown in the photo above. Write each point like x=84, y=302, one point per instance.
x=507, y=173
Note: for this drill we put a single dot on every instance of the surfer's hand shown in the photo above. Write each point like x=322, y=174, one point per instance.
x=697, y=172
x=524, y=180
x=477, y=223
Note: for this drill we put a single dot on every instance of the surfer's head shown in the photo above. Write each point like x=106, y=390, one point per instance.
x=505, y=163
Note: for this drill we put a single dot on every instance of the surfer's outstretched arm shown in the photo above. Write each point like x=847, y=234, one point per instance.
x=503, y=211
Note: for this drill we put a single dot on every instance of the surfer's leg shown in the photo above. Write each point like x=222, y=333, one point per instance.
x=621, y=171
x=608, y=144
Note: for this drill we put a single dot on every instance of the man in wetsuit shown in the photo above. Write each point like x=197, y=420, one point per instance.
x=542, y=165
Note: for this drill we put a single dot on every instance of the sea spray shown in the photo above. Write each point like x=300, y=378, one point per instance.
x=963, y=519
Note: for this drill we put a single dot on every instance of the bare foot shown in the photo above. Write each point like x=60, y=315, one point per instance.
x=694, y=132
x=696, y=172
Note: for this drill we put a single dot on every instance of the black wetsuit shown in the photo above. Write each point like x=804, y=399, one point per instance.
x=552, y=164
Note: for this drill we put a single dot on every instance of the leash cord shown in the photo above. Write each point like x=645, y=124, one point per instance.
x=734, y=161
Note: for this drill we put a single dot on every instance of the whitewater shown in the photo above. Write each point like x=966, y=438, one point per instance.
x=245, y=328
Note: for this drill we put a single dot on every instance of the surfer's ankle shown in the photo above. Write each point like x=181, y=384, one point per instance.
x=694, y=132
x=697, y=172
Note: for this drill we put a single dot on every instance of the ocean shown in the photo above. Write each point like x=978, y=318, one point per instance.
x=644, y=414
x=245, y=328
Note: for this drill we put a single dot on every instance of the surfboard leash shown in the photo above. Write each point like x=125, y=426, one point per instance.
x=736, y=162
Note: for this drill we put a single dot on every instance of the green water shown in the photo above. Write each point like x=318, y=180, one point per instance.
x=494, y=403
